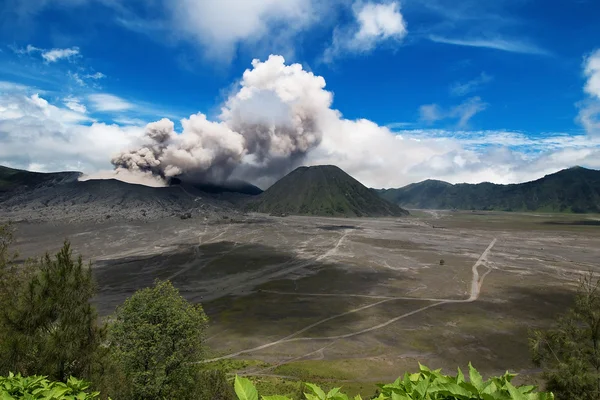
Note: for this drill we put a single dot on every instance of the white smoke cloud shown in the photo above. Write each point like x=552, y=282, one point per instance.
x=264, y=129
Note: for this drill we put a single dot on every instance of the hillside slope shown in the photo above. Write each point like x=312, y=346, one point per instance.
x=29, y=196
x=571, y=190
x=17, y=180
x=322, y=190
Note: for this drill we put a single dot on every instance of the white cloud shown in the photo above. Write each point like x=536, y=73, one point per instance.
x=380, y=158
x=467, y=110
x=379, y=22
x=58, y=54
x=220, y=26
x=109, y=102
x=513, y=46
x=75, y=104
x=431, y=113
x=589, y=109
x=592, y=72
x=51, y=55
x=97, y=75
x=81, y=79
x=75, y=76
x=38, y=135
x=27, y=50
x=11, y=87
x=374, y=23
x=38, y=107
x=462, y=89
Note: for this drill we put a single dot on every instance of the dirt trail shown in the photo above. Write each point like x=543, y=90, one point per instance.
x=476, y=284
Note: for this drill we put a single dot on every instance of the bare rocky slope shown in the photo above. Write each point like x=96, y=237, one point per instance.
x=30, y=196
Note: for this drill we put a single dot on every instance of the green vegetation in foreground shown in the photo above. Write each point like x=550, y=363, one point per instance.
x=570, y=190
x=423, y=385
x=322, y=190
x=47, y=324
x=154, y=339
x=570, y=352
x=39, y=387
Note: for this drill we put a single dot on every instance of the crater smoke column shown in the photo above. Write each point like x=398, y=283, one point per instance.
x=264, y=130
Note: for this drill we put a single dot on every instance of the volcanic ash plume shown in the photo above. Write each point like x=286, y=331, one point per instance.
x=264, y=130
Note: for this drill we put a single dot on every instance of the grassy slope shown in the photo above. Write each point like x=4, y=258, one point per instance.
x=571, y=190
x=322, y=190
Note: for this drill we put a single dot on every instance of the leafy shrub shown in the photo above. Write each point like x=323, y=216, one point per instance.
x=155, y=339
x=569, y=353
x=39, y=387
x=423, y=385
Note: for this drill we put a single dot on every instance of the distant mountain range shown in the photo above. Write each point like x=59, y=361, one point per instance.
x=575, y=189
x=322, y=190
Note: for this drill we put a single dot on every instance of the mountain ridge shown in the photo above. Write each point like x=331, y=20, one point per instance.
x=54, y=196
x=575, y=189
x=324, y=190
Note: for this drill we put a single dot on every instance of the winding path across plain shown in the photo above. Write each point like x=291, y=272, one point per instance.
x=476, y=284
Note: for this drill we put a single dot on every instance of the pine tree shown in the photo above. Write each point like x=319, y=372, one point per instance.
x=50, y=326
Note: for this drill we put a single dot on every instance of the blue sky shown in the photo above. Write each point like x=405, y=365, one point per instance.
x=503, y=91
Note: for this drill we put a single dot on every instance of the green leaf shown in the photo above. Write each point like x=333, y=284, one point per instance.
x=460, y=377
x=317, y=390
x=244, y=389
x=514, y=393
x=495, y=396
x=526, y=389
x=471, y=388
x=332, y=393
x=450, y=389
x=398, y=396
x=490, y=388
x=421, y=387
x=475, y=378
x=275, y=397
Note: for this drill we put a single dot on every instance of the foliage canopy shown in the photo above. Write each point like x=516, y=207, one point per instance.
x=570, y=352
x=48, y=326
x=155, y=338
